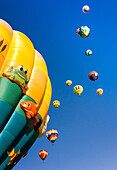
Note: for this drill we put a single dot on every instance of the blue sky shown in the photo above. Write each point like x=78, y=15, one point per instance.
x=87, y=124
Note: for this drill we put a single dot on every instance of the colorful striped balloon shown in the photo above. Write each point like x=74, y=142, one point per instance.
x=52, y=135
x=93, y=75
x=83, y=31
x=43, y=154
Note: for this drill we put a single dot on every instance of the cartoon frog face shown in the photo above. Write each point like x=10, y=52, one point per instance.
x=18, y=75
x=20, y=72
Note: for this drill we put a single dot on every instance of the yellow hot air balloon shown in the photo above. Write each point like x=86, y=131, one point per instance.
x=99, y=91
x=56, y=103
x=78, y=89
x=23, y=78
x=68, y=82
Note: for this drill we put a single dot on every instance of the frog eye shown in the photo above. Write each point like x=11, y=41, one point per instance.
x=25, y=71
x=29, y=104
x=21, y=68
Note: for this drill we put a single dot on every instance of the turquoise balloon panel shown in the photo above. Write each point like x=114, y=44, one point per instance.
x=5, y=113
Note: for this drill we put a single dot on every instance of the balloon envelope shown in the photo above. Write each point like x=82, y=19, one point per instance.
x=78, y=89
x=68, y=82
x=85, y=8
x=43, y=154
x=52, y=135
x=99, y=91
x=56, y=103
x=83, y=31
x=22, y=79
x=93, y=75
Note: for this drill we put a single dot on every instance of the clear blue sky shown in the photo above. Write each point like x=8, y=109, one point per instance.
x=87, y=124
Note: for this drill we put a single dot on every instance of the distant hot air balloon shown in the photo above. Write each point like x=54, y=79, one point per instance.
x=93, y=75
x=85, y=9
x=68, y=82
x=88, y=52
x=56, y=103
x=52, y=135
x=43, y=154
x=99, y=91
x=84, y=31
x=78, y=89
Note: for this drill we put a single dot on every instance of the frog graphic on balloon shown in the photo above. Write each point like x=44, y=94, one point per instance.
x=18, y=75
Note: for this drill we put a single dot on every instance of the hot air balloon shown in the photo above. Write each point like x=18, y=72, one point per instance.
x=93, y=75
x=78, y=89
x=56, y=103
x=68, y=82
x=43, y=154
x=52, y=135
x=85, y=8
x=88, y=52
x=84, y=31
x=24, y=82
x=99, y=91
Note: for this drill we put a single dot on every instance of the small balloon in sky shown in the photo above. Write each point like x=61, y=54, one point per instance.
x=43, y=154
x=52, y=135
x=85, y=8
x=78, y=89
x=56, y=103
x=83, y=31
x=68, y=82
x=88, y=52
x=99, y=91
x=93, y=75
